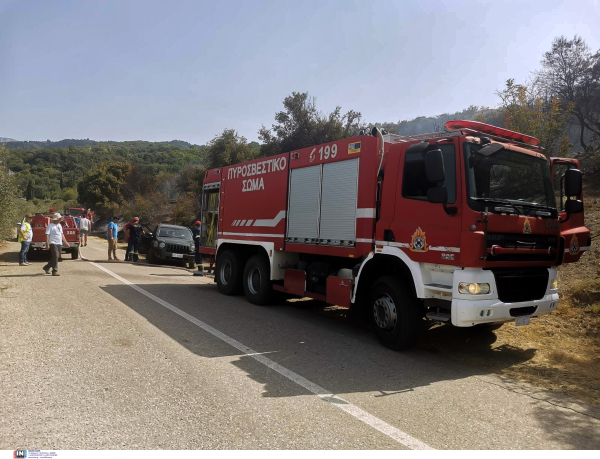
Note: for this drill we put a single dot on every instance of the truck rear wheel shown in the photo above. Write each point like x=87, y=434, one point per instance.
x=229, y=273
x=75, y=253
x=257, y=281
x=394, y=313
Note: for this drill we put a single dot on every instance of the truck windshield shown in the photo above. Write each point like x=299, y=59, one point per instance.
x=507, y=175
x=182, y=233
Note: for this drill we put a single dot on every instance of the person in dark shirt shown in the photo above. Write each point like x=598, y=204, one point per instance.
x=135, y=232
x=197, y=237
x=126, y=229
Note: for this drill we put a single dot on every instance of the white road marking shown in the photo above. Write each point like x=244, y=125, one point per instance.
x=372, y=421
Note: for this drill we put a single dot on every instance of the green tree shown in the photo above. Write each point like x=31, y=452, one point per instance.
x=301, y=125
x=8, y=199
x=228, y=148
x=526, y=110
x=572, y=74
x=29, y=192
x=190, y=179
x=101, y=188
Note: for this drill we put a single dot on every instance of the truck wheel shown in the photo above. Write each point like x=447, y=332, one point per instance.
x=394, y=313
x=75, y=253
x=229, y=273
x=257, y=281
x=192, y=264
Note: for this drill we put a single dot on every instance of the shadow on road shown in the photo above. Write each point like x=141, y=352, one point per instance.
x=293, y=333
x=316, y=341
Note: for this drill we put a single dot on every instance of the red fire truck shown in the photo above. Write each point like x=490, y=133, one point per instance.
x=465, y=226
x=39, y=224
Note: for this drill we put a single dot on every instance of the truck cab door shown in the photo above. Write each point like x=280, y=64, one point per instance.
x=575, y=235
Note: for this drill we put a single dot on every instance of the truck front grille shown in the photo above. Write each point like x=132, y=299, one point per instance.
x=517, y=285
x=523, y=242
x=176, y=248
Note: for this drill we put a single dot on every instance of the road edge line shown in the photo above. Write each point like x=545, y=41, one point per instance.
x=394, y=433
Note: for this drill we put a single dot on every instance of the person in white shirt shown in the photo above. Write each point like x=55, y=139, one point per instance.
x=54, y=239
x=84, y=229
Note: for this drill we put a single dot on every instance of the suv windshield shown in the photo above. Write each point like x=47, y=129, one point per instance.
x=508, y=175
x=183, y=233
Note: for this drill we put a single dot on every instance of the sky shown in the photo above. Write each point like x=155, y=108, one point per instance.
x=156, y=70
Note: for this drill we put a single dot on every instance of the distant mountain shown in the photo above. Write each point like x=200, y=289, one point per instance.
x=66, y=143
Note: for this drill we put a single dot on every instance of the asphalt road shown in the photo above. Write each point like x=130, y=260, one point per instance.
x=120, y=356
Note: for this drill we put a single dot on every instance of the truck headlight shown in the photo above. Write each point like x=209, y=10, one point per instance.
x=472, y=288
x=554, y=284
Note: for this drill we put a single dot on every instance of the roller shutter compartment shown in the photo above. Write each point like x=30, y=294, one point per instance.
x=338, y=203
x=304, y=209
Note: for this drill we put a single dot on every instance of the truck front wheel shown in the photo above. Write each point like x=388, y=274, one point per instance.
x=229, y=273
x=394, y=313
x=257, y=281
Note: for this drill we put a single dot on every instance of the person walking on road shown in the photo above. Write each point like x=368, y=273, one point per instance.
x=134, y=232
x=111, y=235
x=197, y=237
x=25, y=235
x=54, y=239
x=85, y=226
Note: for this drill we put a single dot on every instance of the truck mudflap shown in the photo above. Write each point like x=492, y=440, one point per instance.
x=466, y=313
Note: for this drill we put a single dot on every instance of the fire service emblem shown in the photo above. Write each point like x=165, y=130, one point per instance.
x=574, y=246
x=526, y=226
x=418, y=242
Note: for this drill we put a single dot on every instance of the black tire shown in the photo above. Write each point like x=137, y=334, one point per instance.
x=257, y=281
x=395, y=313
x=75, y=253
x=229, y=273
x=192, y=264
x=151, y=258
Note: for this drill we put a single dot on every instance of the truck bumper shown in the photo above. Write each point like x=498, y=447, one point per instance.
x=467, y=313
x=469, y=310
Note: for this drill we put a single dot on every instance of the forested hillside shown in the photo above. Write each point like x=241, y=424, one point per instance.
x=53, y=172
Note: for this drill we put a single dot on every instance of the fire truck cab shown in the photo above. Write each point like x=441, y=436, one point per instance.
x=465, y=226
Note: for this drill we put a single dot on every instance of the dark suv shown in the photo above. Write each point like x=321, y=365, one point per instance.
x=169, y=243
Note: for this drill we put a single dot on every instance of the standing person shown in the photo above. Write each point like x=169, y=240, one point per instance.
x=54, y=239
x=127, y=252
x=197, y=237
x=25, y=235
x=135, y=232
x=77, y=220
x=84, y=229
x=111, y=235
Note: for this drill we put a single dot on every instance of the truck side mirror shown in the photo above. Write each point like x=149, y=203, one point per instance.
x=434, y=166
x=573, y=206
x=573, y=182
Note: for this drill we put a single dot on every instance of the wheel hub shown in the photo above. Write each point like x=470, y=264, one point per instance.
x=384, y=313
x=254, y=280
x=225, y=272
